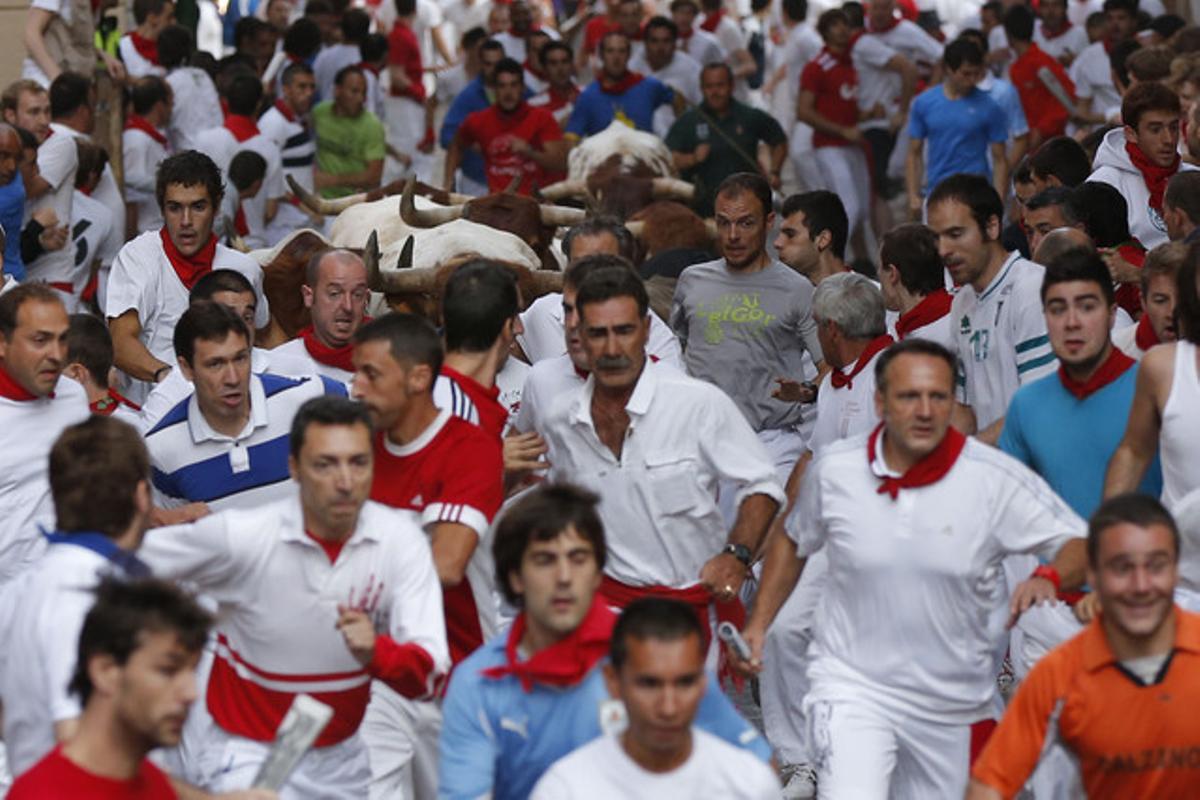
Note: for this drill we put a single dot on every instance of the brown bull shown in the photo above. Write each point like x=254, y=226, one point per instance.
x=610, y=189
x=283, y=277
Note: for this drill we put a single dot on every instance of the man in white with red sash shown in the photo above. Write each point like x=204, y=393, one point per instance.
x=655, y=444
x=335, y=293
x=144, y=145
x=151, y=276
x=139, y=48
x=915, y=521
x=913, y=281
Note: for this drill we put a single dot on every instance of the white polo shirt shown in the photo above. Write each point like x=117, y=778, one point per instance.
x=845, y=411
x=658, y=501
x=197, y=107
x=1091, y=72
x=143, y=280
x=915, y=598
x=601, y=769
x=548, y=379
x=58, y=160
x=1070, y=42
x=511, y=382
x=279, y=594
x=1000, y=338
x=48, y=604
x=28, y=429
x=544, y=336
x=142, y=154
x=192, y=463
x=136, y=65
x=700, y=45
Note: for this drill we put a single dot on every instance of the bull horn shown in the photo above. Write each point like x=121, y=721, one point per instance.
x=565, y=190
x=710, y=227
x=561, y=215
x=235, y=239
x=319, y=205
x=400, y=280
x=672, y=189
x=545, y=281
x=371, y=262
x=424, y=217
x=637, y=227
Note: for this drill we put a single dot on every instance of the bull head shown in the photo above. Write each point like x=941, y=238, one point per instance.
x=660, y=189
x=432, y=217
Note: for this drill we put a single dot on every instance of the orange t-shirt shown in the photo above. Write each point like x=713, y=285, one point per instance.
x=1131, y=740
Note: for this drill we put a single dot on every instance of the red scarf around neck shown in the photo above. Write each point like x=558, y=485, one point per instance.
x=367, y=66
x=930, y=469
x=138, y=123
x=1145, y=335
x=932, y=307
x=189, y=268
x=113, y=400
x=14, y=391
x=1156, y=177
x=1049, y=34
x=626, y=82
x=892, y=23
x=840, y=379
x=324, y=354
x=711, y=21
x=1113, y=367
x=564, y=663
x=534, y=71
x=239, y=221
x=146, y=48
x=241, y=127
x=286, y=110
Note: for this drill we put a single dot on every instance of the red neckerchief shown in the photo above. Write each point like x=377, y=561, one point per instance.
x=241, y=127
x=895, y=20
x=1156, y=177
x=559, y=99
x=368, y=67
x=567, y=661
x=189, y=268
x=1145, y=336
x=930, y=469
x=146, y=48
x=12, y=390
x=840, y=379
x=534, y=71
x=106, y=405
x=626, y=82
x=1113, y=367
x=1049, y=34
x=286, y=110
x=932, y=307
x=324, y=354
x=1109, y=44
x=685, y=36
x=138, y=123
x=239, y=221
x=711, y=21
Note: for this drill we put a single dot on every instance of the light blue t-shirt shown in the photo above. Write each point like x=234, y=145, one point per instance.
x=1004, y=94
x=1069, y=441
x=956, y=132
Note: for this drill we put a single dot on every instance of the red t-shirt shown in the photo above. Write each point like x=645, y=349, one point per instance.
x=493, y=131
x=1043, y=113
x=452, y=473
x=476, y=403
x=834, y=82
x=56, y=777
x=405, y=51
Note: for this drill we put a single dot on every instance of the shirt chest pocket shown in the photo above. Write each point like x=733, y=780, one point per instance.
x=673, y=482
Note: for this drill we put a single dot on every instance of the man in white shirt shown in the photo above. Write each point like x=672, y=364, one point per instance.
x=335, y=293
x=913, y=281
x=138, y=49
x=144, y=145
x=659, y=487
x=370, y=608
x=1097, y=99
x=223, y=446
x=659, y=58
x=286, y=124
x=356, y=26
x=151, y=276
x=999, y=330
x=35, y=406
x=903, y=660
x=656, y=669
x=95, y=239
x=197, y=106
x=72, y=100
x=1056, y=35
x=100, y=478
x=698, y=43
x=547, y=318
x=733, y=43
x=60, y=36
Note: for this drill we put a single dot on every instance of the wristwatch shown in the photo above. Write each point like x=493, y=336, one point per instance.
x=738, y=551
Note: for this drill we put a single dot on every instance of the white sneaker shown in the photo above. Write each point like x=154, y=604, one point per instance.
x=802, y=785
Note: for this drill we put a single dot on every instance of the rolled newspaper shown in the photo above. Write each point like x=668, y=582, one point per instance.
x=301, y=726
x=728, y=633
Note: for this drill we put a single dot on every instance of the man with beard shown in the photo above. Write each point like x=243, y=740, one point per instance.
x=1092, y=694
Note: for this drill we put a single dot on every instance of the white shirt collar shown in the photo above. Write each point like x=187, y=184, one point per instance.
x=417, y=444
x=291, y=524
x=637, y=405
x=879, y=464
x=202, y=432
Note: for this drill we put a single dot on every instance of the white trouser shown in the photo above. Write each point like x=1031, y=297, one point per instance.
x=405, y=123
x=783, y=684
x=800, y=150
x=864, y=751
x=844, y=170
x=337, y=772
x=401, y=736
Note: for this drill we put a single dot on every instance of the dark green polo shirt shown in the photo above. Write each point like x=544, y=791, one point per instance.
x=745, y=125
